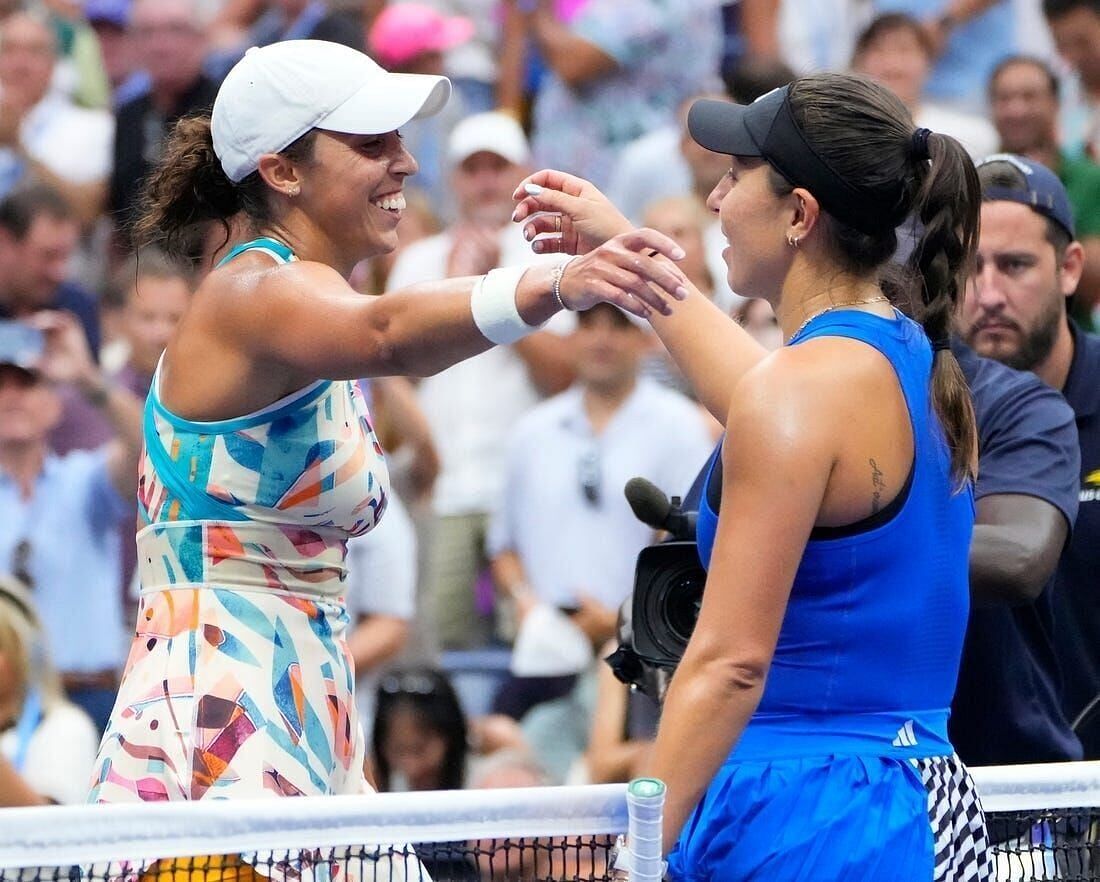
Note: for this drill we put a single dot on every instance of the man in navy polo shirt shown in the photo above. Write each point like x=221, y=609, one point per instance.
x=1008, y=701
x=1015, y=312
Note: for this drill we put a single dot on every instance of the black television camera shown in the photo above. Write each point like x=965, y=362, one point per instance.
x=657, y=619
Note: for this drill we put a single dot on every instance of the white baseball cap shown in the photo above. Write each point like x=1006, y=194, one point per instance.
x=277, y=93
x=494, y=132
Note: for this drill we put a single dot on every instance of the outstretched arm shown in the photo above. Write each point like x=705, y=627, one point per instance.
x=302, y=316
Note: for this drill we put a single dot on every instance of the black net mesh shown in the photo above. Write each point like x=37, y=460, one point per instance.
x=1059, y=844
x=506, y=860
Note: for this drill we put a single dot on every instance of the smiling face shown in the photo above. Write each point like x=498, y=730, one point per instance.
x=753, y=220
x=351, y=189
x=1015, y=303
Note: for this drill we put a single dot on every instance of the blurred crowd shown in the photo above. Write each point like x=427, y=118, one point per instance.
x=481, y=607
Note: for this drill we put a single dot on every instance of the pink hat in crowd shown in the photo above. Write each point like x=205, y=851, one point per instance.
x=403, y=31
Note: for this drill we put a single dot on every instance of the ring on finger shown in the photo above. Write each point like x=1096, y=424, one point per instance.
x=557, y=223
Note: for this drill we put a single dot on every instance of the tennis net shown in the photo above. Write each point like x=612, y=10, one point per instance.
x=1044, y=822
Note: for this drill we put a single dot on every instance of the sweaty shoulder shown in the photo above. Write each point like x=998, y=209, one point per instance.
x=816, y=391
x=248, y=292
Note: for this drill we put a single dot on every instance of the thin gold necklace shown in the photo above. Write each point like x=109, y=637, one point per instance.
x=882, y=298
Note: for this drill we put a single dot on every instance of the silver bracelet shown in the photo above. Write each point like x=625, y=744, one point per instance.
x=559, y=271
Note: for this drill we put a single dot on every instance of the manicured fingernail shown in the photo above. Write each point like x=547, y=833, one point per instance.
x=515, y=215
x=681, y=293
x=528, y=234
x=678, y=253
x=536, y=246
x=532, y=189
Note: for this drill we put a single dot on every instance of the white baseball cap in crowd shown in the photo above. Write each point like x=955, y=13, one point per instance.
x=277, y=93
x=493, y=132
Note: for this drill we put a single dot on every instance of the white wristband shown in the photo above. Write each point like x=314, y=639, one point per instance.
x=493, y=305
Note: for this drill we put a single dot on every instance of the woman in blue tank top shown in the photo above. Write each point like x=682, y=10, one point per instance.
x=804, y=734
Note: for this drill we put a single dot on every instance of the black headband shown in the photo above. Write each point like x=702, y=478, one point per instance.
x=767, y=128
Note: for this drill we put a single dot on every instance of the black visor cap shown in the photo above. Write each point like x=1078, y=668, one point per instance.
x=735, y=129
x=767, y=129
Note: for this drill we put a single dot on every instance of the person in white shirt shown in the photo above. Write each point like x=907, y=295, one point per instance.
x=472, y=405
x=564, y=540
x=44, y=136
x=381, y=599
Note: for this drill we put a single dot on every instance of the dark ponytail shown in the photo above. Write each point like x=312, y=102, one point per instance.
x=189, y=189
x=866, y=135
x=185, y=191
x=948, y=206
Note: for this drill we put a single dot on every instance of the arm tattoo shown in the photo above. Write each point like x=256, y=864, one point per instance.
x=879, y=483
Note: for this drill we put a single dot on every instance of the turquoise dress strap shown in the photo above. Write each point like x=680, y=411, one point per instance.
x=197, y=503
x=263, y=243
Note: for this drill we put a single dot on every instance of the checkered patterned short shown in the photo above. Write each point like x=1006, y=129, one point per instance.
x=958, y=822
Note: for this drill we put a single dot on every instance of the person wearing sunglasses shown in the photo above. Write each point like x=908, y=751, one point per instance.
x=564, y=540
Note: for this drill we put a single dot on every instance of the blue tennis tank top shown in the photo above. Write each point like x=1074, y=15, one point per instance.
x=868, y=653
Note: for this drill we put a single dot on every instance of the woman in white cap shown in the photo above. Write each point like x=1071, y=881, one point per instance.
x=260, y=459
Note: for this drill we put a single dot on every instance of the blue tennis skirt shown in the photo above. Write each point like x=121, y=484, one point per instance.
x=835, y=819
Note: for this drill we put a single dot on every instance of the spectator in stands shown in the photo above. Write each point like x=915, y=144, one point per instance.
x=59, y=515
x=685, y=219
x=1008, y=702
x=38, y=236
x=306, y=20
x=622, y=731
x=39, y=127
x=110, y=19
x=569, y=459
x=419, y=735
x=1015, y=311
x=80, y=73
x=49, y=742
x=152, y=292
x=422, y=739
x=898, y=51
x=381, y=599
x=1024, y=97
x=169, y=47
x=472, y=405
x=411, y=38
x=758, y=318
x=616, y=69
x=967, y=37
x=1075, y=26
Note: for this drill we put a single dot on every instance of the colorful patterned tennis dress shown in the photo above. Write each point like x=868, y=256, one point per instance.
x=239, y=681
